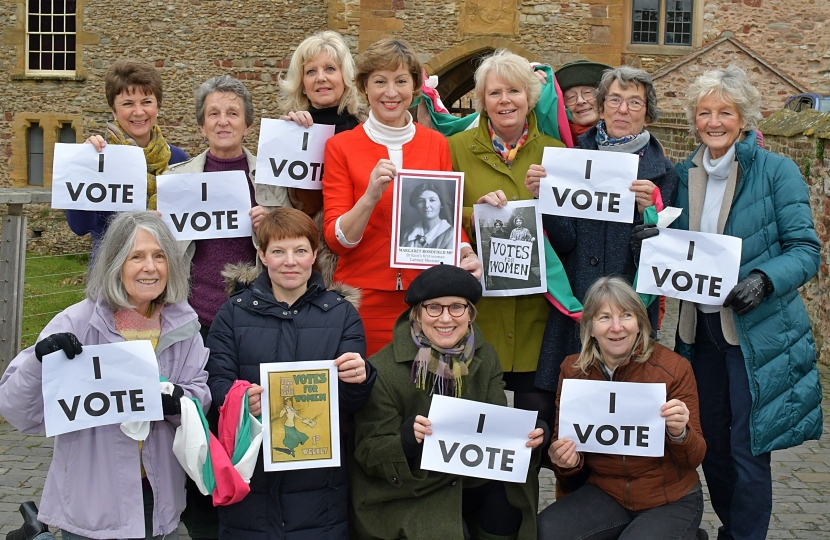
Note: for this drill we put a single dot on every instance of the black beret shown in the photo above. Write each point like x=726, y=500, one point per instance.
x=580, y=73
x=443, y=280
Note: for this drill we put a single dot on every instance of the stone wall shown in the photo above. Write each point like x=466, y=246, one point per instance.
x=804, y=138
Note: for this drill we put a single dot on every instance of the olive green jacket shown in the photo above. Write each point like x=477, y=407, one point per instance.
x=514, y=325
x=389, y=499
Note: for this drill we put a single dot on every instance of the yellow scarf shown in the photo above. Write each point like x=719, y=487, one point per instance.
x=157, y=154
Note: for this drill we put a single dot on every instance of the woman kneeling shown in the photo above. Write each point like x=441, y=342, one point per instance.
x=436, y=349
x=629, y=497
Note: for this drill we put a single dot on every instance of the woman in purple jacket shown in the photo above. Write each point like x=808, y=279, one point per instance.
x=102, y=483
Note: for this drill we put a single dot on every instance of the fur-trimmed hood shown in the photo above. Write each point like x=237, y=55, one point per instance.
x=241, y=275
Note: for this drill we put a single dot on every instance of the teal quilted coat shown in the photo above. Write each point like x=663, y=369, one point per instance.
x=771, y=213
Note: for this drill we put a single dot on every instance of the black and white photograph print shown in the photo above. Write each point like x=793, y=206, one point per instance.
x=509, y=241
x=426, y=218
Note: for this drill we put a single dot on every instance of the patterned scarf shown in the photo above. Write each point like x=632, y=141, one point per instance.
x=506, y=151
x=157, y=154
x=439, y=370
x=630, y=144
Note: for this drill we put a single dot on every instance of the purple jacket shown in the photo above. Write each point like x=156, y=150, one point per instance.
x=94, y=483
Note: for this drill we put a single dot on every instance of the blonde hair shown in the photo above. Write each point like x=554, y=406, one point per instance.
x=514, y=69
x=388, y=54
x=291, y=97
x=730, y=84
x=617, y=292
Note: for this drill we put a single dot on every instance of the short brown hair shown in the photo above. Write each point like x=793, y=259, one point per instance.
x=283, y=223
x=138, y=74
x=388, y=54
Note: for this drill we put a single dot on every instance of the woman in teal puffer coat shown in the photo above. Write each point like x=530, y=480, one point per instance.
x=754, y=359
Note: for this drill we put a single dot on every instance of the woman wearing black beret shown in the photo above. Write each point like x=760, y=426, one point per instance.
x=436, y=348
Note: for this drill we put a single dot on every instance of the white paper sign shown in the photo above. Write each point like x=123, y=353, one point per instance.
x=588, y=184
x=114, y=180
x=478, y=439
x=613, y=417
x=426, y=218
x=291, y=155
x=510, y=246
x=694, y=266
x=106, y=384
x=300, y=415
x=197, y=206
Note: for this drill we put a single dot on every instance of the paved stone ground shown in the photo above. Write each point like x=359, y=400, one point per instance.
x=801, y=476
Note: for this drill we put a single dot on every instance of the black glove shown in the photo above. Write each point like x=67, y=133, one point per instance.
x=748, y=293
x=171, y=405
x=66, y=342
x=639, y=233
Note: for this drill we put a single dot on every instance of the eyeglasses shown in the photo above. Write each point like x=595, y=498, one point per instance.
x=436, y=310
x=634, y=104
x=589, y=94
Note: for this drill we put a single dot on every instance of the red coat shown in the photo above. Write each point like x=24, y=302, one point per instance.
x=350, y=158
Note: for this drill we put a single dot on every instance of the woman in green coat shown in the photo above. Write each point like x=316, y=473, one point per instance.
x=494, y=158
x=436, y=349
x=754, y=358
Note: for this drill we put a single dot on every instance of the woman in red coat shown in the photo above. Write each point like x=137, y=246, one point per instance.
x=359, y=167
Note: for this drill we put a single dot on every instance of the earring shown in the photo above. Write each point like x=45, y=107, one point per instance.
x=244, y=139
x=204, y=140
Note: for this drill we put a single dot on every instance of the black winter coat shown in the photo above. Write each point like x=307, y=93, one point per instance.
x=253, y=328
x=592, y=249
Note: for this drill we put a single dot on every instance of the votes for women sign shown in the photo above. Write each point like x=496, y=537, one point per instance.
x=477, y=439
x=613, y=417
x=588, y=184
x=113, y=180
x=291, y=155
x=105, y=384
x=694, y=266
x=510, y=248
x=198, y=206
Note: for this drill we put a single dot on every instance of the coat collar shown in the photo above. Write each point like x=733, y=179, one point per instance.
x=260, y=298
x=652, y=163
x=482, y=142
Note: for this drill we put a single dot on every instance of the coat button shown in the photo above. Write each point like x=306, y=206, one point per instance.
x=473, y=147
x=594, y=261
x=486, y=158
x=256, y=303
x=285, y=313
x=295, y=312
x=515, y=197
x=325, y=305
x=510, y=336
x=394, y=480
x=238, y=299
x=339, y=299
x=453, y=483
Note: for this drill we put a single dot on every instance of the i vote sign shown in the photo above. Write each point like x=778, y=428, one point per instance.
x=198, y=206
x=694, y=266
x=106, y=384
x=588, y=184
x=478, y=439
x=291, y=155
x=113, y=180
x=613, y=417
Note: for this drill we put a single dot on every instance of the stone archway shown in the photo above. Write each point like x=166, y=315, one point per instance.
x=456, y=66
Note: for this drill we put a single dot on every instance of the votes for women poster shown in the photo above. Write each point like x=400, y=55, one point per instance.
x=510, y=248
x=300, y=416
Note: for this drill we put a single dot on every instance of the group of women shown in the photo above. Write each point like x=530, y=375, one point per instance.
x=751, y=386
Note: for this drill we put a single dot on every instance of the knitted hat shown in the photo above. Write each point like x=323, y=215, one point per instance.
x=443, y=280
x=580, y=73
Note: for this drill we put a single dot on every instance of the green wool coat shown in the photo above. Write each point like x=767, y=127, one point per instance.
x=514, y=325
x=770, y=213
x=390, y=500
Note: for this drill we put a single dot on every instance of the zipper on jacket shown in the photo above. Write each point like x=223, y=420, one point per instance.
x=399, y=283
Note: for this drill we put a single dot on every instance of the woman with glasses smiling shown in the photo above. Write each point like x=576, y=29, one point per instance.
x=578, y=81
x=592, y=249
x=436, y=349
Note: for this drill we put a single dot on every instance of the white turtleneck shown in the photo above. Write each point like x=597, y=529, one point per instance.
x=393, y=138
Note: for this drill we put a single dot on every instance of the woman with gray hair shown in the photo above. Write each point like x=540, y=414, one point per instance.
x=497, y=154
x=754, y=357
x=593, y=249
x=225, y=113
x=102, y=482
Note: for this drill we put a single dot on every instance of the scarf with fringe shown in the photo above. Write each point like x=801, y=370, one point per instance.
x=439, y=370
x=157, y=153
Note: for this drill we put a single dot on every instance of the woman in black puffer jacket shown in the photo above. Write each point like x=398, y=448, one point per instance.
x=285, y=314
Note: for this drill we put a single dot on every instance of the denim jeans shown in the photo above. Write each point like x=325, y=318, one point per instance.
x=739, y=483
x=591, y=514
x=148, y=524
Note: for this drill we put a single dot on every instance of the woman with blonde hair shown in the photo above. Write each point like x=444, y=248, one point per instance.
x=629, y=497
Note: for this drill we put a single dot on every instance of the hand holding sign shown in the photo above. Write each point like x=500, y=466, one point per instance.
x=113, y=180
x=291, y=155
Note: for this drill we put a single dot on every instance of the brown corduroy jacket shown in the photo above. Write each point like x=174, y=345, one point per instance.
x=640, y=483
